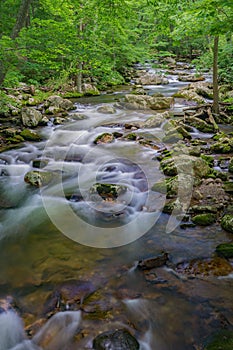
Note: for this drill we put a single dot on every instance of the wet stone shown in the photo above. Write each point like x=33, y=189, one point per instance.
x=153, y=262
x=115, y=340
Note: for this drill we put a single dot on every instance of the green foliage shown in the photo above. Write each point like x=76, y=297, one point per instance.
x=6, y=102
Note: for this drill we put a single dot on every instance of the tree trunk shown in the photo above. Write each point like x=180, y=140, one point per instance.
x=22, y=17
x=215, y=77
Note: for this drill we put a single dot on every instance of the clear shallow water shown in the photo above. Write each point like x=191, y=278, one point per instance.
x=169, y=312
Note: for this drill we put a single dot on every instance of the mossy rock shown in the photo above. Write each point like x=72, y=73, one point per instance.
x=131, y=137
x=227, y=222
x=221, y=341
x=15, y=139
x=204, y=219
x=168, y=186
x=224, y=145
x=225, y=250
x=107, y=191
x=104, y=138
x=38, y=178
x=29, y=135
x=209, y=159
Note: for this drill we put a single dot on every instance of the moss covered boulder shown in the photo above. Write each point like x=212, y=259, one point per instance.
x=29, y=135
x=186, y=164
x=225, y=250
x=204, y=219
x=104, y=138
x=38, y=178
x=31, y=117
x=223, y=145
x=106, y=191
x=227, y=222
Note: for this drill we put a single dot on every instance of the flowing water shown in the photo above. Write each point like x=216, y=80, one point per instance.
x=64, y=233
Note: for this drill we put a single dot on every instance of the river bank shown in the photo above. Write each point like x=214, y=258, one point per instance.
x=171, y=170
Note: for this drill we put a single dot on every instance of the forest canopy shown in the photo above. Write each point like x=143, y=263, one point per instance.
x=46, y=41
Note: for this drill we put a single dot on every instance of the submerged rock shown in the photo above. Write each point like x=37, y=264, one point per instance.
x=216, y=266
x=116, y=340
x=151, y=263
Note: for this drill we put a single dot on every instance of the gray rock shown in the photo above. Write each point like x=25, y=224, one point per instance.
x=31, y=117
x=148, y=102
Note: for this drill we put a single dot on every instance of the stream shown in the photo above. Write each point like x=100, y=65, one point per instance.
x=61, y=237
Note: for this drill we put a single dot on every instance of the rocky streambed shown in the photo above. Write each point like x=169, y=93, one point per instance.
x=148, y=175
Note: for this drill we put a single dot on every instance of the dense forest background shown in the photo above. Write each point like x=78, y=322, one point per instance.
x=55, y=42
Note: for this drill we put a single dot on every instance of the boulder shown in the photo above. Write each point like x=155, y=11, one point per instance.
x=185, y=164
x=156, y=120
x=151, y=79
x=31, y=117
x=200, y=124
x=106, y=191
x=189, y=95
x=90, y=89
x=204, y=219
x=227, y=222
x=148, y=102
x=59, y=103
x=104, y=138
x=106, y=109
x=38, y=178
x=29, y=135
x=191, y=77
x=115, y=340
x=225, y=250
x=223, y=145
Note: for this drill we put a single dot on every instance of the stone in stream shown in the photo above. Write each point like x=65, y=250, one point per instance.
x=227, y=222
x=38, y=178
x=115, y=340
x=204, y=219
x=225, y=250
x=106, y=109
x=59, y=103
x=151, y=263
x=104, y=138
x=216, y=266
x=106, y=191
x=69, y=294
x=191, y=77
x=29, y=135
x=148, y=102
